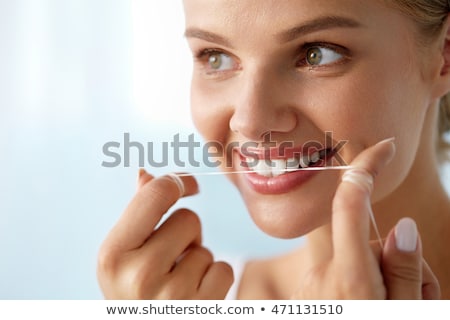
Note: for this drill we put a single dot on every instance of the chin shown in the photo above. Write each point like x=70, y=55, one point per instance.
x=289, y=215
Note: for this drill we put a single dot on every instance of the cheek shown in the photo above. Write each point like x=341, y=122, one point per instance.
x=370, y=103
x=373, y=106
x=210, y=113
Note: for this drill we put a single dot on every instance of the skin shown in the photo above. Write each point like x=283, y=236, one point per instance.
x=262, y=85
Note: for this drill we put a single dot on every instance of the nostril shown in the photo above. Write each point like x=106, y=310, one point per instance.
x=249, y=126
x=258, y=124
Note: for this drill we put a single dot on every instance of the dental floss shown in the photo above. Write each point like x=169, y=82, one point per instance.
x=366, y=182
x=252, y=171
x=176, y=178
x=374, y=223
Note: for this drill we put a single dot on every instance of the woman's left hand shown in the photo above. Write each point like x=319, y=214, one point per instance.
x=356, y=270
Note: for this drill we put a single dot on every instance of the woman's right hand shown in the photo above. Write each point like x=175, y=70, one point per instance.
x=139, y=260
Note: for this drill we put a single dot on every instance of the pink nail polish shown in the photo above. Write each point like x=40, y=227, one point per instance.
x=406, y=235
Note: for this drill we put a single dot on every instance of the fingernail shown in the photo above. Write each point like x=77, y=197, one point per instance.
x=359, y=177
x=179, y=182
x=406, y=235
x=388, y=140
x=140, y=174
x=390, y=155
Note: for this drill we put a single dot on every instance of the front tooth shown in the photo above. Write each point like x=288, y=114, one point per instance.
x=304, y=161
x=278, y=167
x=251, y=162
x=315, y=157
x=263, y=168
x=292, y=163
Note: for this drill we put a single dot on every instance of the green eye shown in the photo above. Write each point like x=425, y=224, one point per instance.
x=319, y=56
x=314, y=56
x=215, y=61
x=219, y=61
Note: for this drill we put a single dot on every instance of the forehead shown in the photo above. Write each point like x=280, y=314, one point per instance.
x=257, y=24
x=264, y=14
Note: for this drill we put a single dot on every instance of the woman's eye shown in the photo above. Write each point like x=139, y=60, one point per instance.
x=218, y=61
x=318, y=56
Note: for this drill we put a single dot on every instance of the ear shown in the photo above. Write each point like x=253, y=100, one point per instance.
x=445, y=47
x=442, y=86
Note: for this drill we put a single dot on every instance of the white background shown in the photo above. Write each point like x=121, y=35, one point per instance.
x=75, y=74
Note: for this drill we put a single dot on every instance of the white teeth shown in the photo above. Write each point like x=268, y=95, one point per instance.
x=278, y=167
x=304, y=161
x=292, y=163
x=251, y=162
x=263, y=168
x=315, y=157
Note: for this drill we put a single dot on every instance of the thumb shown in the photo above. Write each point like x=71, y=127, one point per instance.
x=351, y=203
x=402, y=262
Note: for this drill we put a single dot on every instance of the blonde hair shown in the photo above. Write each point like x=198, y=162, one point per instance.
x=430, y=16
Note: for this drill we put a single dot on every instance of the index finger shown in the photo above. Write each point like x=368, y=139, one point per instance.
x=146, y=209
x=351, y=203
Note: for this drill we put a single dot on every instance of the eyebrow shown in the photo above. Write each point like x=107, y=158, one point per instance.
x=207, y=36
x=318, y=24
x=315, y=25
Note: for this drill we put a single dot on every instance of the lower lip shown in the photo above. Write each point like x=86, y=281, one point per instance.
x=280, y=184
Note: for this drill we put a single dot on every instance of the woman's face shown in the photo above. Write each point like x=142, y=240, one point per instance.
x=325, y=78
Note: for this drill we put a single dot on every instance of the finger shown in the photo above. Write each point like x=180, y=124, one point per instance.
x=145, y=210
x=402, y=262
x=143, y=178
x=180, y=231
x=216, y=282
x=351, y=204
x=193, y=266
x=430, y=284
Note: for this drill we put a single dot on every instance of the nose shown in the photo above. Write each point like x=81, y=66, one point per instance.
x=261, y=106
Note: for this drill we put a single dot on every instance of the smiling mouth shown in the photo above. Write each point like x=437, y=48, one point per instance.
x=271, y=168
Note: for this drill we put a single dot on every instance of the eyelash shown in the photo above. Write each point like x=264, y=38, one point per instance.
x=203, y=55
x=307, y=46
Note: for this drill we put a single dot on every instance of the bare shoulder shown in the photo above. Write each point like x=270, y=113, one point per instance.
x=270, y=278
x=256, y=280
